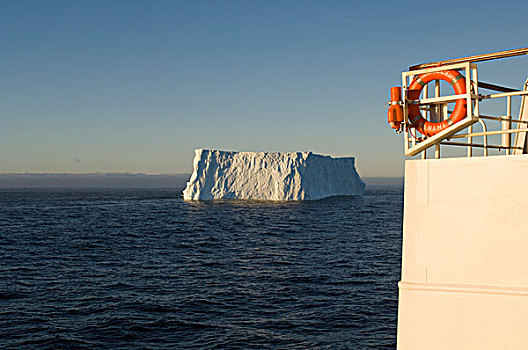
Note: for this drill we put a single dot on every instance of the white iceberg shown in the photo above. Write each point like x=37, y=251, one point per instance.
x=271, y=176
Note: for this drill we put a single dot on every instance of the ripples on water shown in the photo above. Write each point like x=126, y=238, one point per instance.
x=145, y=269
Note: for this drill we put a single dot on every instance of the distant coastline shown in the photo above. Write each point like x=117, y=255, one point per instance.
x=383, y=181
x=126, y=180
x=93, y=180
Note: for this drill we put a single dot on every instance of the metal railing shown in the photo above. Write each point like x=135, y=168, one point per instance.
x=436, y=110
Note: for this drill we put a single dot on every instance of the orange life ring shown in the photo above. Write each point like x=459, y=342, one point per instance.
x=421, y=124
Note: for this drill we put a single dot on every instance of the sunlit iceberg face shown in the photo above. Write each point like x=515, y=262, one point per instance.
x=271, y=176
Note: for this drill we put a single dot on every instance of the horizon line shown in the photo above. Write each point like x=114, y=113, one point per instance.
x=144, y=174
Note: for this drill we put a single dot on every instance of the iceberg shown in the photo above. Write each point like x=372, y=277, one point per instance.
x=271, y=176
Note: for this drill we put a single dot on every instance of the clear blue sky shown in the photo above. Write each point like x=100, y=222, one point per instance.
x=136, y=86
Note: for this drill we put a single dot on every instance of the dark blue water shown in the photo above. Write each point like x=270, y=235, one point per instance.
x=146, y=270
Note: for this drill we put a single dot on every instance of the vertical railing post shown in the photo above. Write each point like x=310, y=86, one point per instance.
x=506, y=125
x=470, y=140
x=436, y=115
x=438, y=107
x=406, y=125
x=471, y=90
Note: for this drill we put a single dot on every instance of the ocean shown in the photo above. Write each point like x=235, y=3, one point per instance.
x=143, y=269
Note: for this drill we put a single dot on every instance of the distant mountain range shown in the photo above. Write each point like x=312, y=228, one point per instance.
x=126, y=180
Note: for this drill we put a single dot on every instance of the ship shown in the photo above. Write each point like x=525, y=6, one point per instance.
x=464, y=276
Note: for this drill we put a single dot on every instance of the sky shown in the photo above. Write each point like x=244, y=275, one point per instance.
x=136, y=86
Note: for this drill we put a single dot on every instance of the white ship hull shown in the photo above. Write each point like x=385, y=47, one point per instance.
x=464, y=278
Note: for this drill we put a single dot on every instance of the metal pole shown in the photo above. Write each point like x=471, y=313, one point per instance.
x=451, y=143
x=437, y=116
x=476, y=58
x=470, y=141
x=506, y=125
x=437, y=108
x=493, y=132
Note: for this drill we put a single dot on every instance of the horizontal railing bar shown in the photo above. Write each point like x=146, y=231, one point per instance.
x=476, y=58
x=449, y=143
x=453, y=98
x=489, y=86
x=504, y=94
x=502, y=119
x=436, y=100
x=455, y=66
x=487, y=133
